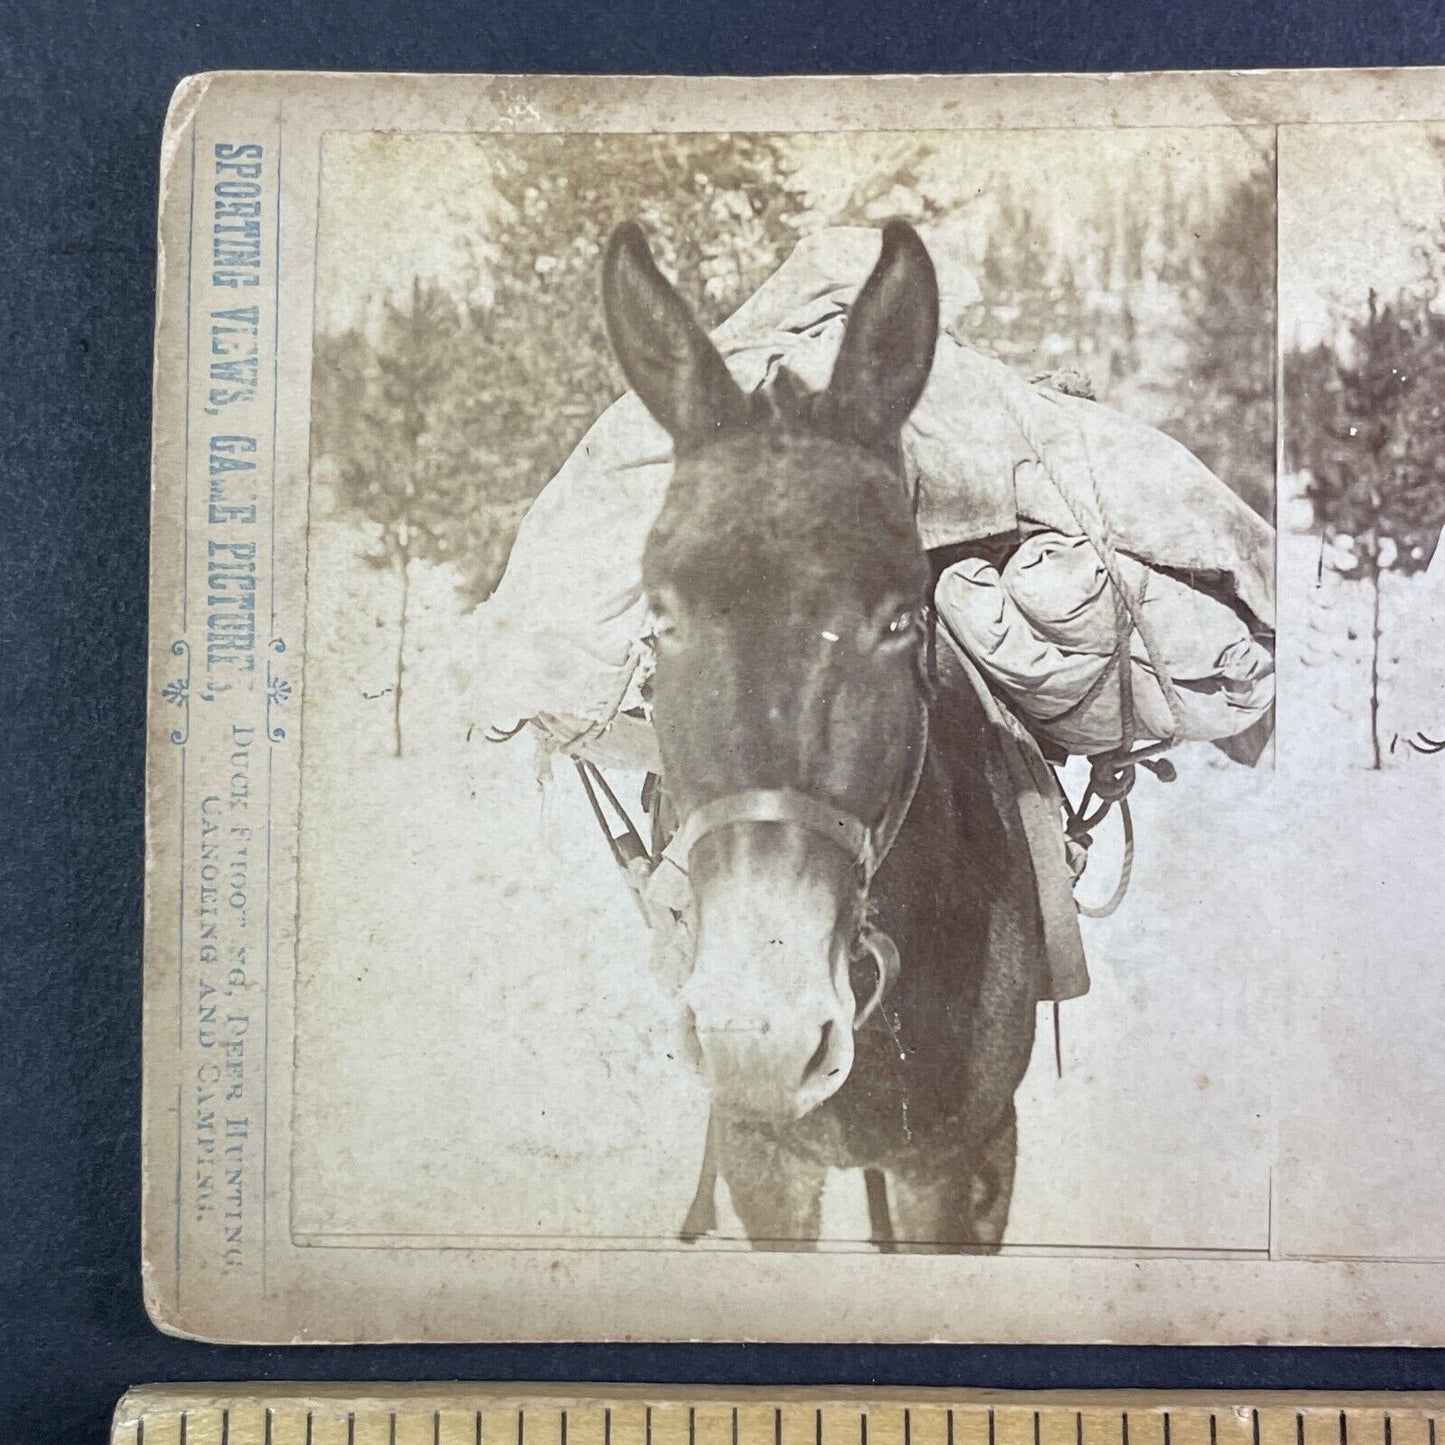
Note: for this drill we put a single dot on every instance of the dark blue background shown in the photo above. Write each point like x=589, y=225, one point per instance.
x=85, y=90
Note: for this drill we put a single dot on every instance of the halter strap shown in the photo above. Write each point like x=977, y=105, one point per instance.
x=777, y=805
x=866, y=847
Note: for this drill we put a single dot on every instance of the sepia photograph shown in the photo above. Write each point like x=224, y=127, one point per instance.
x=813, y=708
x=735, y=538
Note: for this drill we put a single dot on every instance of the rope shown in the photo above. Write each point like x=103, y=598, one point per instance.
x=1126, y=868
x=1095, y=527
x=1124, y=655
x=1112, y=774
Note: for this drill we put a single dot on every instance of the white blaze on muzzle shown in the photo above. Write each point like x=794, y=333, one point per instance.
x=769, y=991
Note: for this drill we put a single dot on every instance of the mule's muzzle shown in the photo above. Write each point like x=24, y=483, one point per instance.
x=770, y=992
x=776, y=1070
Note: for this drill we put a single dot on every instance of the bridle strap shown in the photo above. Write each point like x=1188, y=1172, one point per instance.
x=866, y=847
x=777, y=805
x=891, y=823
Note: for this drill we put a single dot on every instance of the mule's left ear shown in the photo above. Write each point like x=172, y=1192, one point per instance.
x=667, y=357
x=887, y=349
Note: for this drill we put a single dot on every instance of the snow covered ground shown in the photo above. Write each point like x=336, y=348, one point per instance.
x=482, y=1051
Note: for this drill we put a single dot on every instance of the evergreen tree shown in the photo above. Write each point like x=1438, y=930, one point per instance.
x=1368, y=424
x=378, y=405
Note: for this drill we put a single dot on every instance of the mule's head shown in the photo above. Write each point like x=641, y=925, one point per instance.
x=788, y=588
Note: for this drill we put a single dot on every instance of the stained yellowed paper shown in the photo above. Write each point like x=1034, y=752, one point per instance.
x=415, y=1066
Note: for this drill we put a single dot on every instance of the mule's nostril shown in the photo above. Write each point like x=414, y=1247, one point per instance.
x=820, y=1054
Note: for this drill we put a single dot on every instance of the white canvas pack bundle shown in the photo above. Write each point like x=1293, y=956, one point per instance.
x=1043, y=629
x=560, y=642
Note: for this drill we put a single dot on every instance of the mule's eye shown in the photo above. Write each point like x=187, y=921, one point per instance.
x=901, y=625
x=661, y=620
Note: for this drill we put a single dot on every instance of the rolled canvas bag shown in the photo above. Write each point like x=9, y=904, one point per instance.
x=1045, y=627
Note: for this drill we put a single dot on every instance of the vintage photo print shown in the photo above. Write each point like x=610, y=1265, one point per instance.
x=798, y=710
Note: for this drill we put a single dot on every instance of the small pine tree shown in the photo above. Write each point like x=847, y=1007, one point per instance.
x=1369, y=427
x=379, y=402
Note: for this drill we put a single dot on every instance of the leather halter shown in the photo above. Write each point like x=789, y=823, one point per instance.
x=780, y=805
x=866, y=847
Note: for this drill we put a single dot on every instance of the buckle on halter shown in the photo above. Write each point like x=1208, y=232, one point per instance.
x=881, y=948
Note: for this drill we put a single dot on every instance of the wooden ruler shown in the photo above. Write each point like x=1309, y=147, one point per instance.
x=357, y=1414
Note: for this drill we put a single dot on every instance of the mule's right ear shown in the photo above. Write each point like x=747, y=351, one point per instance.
x=665, y=354
x=887, y=348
